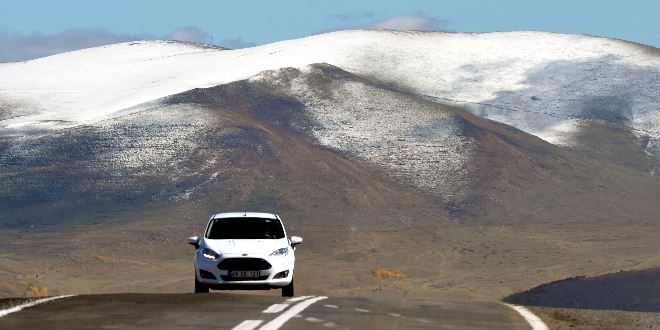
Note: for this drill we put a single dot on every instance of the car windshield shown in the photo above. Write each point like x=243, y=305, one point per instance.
x=245, y=228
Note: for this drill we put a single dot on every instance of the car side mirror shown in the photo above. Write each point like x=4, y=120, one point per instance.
x=295, y=240
x=194, y=241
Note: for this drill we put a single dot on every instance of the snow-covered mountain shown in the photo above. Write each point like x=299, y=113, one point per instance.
x=375, y=145
x=543, y=83
x=139, y=122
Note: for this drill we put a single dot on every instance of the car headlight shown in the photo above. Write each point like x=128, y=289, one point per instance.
x=280, y=252
x=208, y=253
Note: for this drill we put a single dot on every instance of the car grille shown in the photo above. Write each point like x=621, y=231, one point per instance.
x=244, y=264
x=238, y=279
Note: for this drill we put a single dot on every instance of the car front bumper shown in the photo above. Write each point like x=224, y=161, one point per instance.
x=273, y=272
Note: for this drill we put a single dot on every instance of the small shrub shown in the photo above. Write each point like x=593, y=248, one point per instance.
x=381, y=273
x=38, y=291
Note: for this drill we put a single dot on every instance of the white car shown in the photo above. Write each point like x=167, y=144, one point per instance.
x=246, y=250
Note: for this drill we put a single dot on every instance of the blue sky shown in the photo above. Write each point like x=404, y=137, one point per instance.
x=32, y=28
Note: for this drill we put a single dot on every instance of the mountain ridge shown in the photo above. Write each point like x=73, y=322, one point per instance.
x=554, y=86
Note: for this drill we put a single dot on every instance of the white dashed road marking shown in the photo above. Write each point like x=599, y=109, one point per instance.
x=18, y=308
x=362, y=310
x=533, y=320
x=275, y=308
x=279, y=321
x=313, y=320
x=297, y=299
x=331, y=306
x=247, y=325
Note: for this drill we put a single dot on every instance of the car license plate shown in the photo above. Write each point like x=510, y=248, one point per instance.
x=244, y=273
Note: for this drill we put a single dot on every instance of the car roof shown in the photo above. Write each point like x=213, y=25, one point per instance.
x=244, y=215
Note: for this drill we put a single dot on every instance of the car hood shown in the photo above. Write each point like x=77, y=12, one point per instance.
x=245, y=246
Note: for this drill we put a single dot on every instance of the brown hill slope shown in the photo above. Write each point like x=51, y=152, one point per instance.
x=475, y=168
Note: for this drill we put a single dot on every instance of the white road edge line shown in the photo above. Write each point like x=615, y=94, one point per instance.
x=19, y=308
x=279, y=321
x=247, y=325
x=534, y=321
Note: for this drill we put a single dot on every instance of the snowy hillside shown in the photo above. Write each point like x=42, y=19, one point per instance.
x=542, y=83
x=411, y=139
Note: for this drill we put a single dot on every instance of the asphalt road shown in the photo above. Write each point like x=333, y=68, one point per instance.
x=246, y=312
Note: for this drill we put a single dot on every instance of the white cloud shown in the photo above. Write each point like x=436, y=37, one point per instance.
x=354, y=16
x=417, y=21
x=236, y=43
x=22, y=47
x=190, y=34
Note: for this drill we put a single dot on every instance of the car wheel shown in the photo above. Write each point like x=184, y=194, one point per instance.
x=199, y=287
x=287, y=291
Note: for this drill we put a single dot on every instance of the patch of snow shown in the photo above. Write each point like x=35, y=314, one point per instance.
x=412, y=140
x=532, y=80
x=560, y=134
x=189, y=192
x=173, y=129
